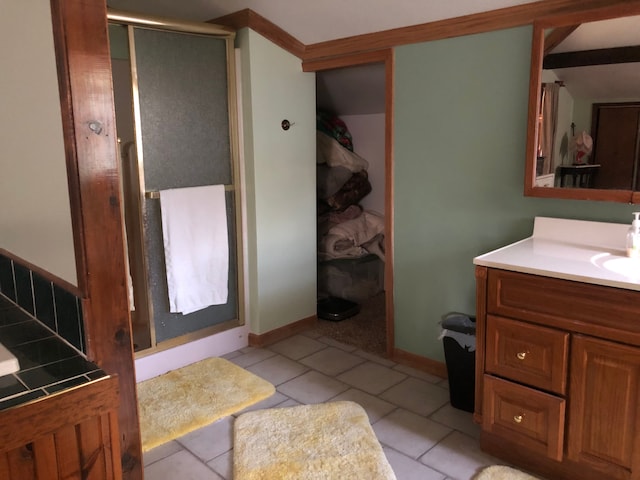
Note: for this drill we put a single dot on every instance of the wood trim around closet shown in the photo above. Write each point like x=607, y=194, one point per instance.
x=88, y=121
x=385, y=57
x=389, y=243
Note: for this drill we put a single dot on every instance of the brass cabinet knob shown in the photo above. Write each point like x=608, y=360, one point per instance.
x=521, y=355
x=518, y=418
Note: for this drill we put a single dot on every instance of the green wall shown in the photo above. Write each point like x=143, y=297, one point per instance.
x=280, y=184
x=460, y=128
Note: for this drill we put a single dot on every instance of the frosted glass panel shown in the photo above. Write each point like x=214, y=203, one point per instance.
x=182, y=86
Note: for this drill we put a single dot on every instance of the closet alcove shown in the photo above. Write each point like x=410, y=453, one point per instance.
x=351, y=259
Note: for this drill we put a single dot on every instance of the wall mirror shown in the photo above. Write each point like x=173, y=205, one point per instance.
x=583, y=128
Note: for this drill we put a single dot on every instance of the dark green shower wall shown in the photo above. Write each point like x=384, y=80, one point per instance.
x=460, y=128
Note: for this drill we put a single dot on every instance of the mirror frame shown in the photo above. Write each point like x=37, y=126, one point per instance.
x=537, y=55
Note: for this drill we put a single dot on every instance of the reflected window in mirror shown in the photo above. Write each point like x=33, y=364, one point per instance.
x=591, y=91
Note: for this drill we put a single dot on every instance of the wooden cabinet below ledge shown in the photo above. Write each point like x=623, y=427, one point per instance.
x=558, y=375
x=71, y=435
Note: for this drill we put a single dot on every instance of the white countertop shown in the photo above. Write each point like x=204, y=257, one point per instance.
x=583, y=251
x=8, y=362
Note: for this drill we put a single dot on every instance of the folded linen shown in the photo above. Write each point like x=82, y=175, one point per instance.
x=194, y=229
x=350, y=238
x=329, y=180
x=329, y=151
x=354, y=190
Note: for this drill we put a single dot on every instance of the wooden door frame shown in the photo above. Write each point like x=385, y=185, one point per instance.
x=595, y=119
x=386, y=57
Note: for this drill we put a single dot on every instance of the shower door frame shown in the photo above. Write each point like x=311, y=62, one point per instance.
x=136, y=199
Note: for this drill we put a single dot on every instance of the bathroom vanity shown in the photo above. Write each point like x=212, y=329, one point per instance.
x=59, y=412
x=558, y=352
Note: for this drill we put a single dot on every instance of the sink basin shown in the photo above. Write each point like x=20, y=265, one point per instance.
x=629, y=267
x=8, y=363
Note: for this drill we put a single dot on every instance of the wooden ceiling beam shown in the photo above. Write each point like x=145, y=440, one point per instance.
x=604, y=56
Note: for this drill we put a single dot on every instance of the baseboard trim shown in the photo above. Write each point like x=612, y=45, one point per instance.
x=281, y=333
x=418, y=362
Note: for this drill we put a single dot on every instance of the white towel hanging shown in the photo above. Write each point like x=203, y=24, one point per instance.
x=196, y=246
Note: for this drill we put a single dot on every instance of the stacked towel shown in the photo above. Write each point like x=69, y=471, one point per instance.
x=196, y=247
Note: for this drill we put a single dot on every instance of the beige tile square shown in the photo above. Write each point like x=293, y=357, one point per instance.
x=277, y=369
x=161, y=452
x=407, y=468
x=409, y=433
x=371, y=377
x=458, y=456
x=289, y=403
x=375, y=358
x=251, y=356
x=417, y=396
x=270, y=402
x=334, y=343
x=457, y=419
x=182, y=465
x=210, y=441
x=375, y=408
x=312, y=387
x=230, y=355
x=223, y=465
x=427, y=377
x=312, y=334
x=297, y=347
x=331, y=361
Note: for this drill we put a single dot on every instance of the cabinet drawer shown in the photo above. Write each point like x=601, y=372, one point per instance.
x=528, y=418
x=527, y=353
x=596, y=310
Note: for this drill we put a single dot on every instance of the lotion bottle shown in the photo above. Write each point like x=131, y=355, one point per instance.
x=633, y=238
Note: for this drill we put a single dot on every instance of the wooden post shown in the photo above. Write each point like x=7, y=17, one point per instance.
x=88, y=118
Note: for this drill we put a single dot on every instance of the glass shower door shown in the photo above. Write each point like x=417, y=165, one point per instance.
x=184, y=137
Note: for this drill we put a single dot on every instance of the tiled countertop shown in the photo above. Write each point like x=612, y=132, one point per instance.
x=584, y=251
x=47, y=363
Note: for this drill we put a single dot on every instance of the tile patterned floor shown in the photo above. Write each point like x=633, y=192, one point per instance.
x=422, y=436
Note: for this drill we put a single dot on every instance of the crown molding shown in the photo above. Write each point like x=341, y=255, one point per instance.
x=508, y=17
x=256, y=22
x=499, y=19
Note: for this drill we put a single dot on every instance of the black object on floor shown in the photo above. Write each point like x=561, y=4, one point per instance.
x=459, y=341
x=336, y=309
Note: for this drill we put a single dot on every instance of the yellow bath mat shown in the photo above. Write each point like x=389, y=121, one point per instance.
x=329, y=441
x=183, y=400
x=499, y=472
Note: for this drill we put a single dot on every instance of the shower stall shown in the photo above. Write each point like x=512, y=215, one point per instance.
x=176, y=114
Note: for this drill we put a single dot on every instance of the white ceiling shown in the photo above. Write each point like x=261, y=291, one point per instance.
x=313, y=21
x=602, y=82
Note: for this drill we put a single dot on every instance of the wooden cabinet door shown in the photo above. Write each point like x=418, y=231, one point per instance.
x=69, y=435
x=604, y=407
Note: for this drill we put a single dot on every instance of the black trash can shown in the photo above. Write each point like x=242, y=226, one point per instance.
x=459, y=341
